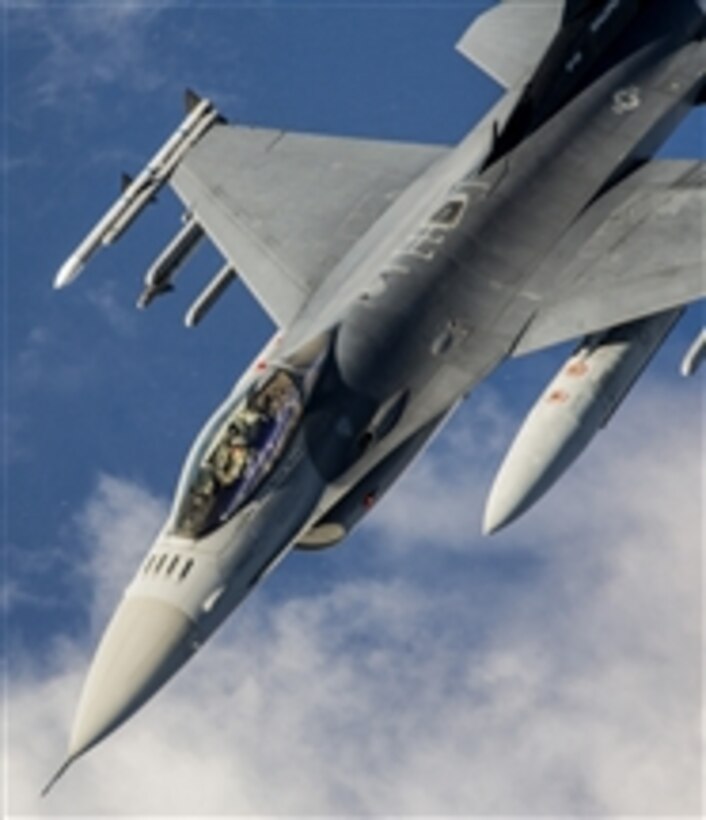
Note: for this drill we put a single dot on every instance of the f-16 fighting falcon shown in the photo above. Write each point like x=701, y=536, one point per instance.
x=399, y=276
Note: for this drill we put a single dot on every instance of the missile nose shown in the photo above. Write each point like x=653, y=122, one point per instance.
x=68, y=272
x=146, y=642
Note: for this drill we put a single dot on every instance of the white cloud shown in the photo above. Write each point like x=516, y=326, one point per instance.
x=105, y=302
x=39, y=362
x=570, y=688
x=119, y=523
x=87, y=46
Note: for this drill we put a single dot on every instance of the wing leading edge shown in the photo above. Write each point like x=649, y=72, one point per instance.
x=284, y=208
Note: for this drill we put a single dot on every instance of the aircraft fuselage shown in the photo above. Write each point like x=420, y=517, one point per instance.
x=483, y=276
x=429, y=309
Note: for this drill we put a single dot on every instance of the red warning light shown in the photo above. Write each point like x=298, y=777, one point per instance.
x=369, y=500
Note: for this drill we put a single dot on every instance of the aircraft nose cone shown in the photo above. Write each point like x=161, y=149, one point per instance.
x=146, y=642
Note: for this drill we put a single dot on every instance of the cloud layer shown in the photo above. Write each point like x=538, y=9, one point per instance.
x=86, y=46
x=552, y=671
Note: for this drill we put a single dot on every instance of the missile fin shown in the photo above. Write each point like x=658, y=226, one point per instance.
x=191, y=100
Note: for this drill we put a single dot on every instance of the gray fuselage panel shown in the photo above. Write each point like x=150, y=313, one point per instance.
x=450, y=303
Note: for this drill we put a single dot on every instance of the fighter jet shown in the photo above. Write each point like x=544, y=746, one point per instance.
x=399, y=276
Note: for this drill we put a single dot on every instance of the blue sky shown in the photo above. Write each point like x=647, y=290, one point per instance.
x=417, y=670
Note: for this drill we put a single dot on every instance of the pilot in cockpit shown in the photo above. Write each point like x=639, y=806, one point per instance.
x=243, y=451
x=244, y=435
x=231, y=457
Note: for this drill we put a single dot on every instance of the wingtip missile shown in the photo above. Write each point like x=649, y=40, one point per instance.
x=137, y=193
x=69, y=271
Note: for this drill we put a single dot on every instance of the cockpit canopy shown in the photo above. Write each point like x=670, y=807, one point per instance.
x=236, y=451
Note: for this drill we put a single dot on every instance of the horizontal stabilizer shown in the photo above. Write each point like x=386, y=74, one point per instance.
x=509, y=41
x=285, y=208
x=638, y=250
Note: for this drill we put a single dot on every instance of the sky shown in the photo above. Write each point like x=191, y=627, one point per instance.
x=554, y=670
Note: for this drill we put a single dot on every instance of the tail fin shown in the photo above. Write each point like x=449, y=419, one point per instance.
x=509, y=41
x=573, y=9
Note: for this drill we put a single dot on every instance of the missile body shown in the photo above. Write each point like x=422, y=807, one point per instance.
x=158, y=278
x=140, y=192
x=160, y=168
x=577, y=403
x=210, y=295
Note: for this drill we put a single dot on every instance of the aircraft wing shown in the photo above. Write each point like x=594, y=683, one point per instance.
x=645, y=252
x=509, y=40
x=284, y=208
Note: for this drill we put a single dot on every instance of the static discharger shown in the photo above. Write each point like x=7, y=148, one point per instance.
x=141, y=190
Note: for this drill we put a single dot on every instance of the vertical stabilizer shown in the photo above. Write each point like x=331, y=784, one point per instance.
x=509, y=41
